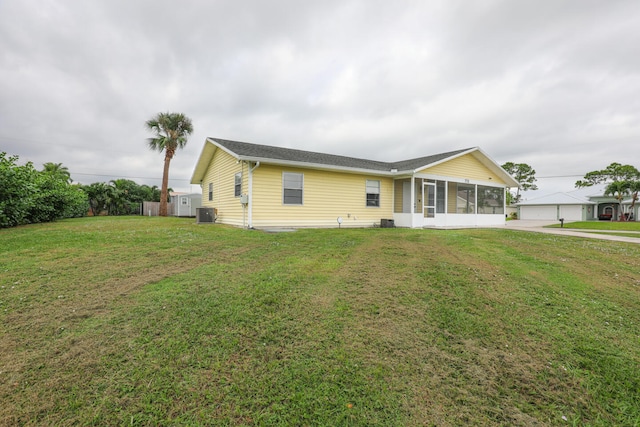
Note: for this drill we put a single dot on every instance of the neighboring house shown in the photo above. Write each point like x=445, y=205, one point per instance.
x=185, y=204
x=583, y=204
x=260, y=186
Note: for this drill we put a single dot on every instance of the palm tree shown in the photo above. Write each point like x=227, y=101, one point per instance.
x=619, y=190
x=56, y=169
x=172, y=131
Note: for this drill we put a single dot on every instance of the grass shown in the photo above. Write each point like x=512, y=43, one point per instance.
x=158, y=321
x=602, y=225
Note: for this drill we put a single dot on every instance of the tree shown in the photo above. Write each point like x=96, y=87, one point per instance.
x=98, y=194
x=16, y=191
x=622, y=181
x=56, y=198
x=171, y=132
x=151, y=194
x=57, y=169
x=29, y=196
x=524, y=174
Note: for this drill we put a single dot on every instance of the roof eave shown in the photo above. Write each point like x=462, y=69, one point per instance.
x=206, y=154
x=321, y=166
x=498, y=170
x=490, y=163
x=446, y=159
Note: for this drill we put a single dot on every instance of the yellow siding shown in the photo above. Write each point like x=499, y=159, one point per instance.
x=397, y=197
x=466, y=166
x=221, y=172
x=326, y=196
x=452, y=198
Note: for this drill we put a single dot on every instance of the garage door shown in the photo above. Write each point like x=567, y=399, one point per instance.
x=571, y=212
x=539, y=212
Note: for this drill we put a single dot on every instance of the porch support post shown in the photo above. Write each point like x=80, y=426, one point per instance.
x=475, y=203
x=413, y=199
x=504, y=202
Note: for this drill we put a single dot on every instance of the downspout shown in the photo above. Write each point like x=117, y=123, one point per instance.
x=250, y=204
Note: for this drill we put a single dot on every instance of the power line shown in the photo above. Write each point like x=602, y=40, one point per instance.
x=559, y=176
x=128, y=177
x=62, y=144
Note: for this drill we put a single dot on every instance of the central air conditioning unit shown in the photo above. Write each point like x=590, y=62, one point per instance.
x=206, y=215
x=387, y=223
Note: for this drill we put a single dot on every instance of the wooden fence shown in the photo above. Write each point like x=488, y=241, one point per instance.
x=152, y=208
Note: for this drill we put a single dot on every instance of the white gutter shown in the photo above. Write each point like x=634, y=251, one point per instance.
x=250, y=204
x=320, y=166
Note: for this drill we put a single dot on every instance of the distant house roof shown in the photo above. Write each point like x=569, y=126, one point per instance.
x=182, y=193
x=581, y=196
x=301, y=158
x=558, y=199
x=592, y=191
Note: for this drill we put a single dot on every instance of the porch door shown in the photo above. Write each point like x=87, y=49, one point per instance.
x=429, y=198
x=406, y=197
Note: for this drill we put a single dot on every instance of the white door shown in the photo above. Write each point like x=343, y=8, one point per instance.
x=571, y=212
x=429, y=207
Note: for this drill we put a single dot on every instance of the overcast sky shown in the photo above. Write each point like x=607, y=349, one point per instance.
x=551, y=83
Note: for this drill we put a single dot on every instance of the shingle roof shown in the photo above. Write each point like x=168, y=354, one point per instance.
x=257, y=151
x=559, y=198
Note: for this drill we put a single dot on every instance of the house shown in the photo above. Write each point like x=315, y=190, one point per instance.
x=259, y=186
x=583, y=204
x=185, y=204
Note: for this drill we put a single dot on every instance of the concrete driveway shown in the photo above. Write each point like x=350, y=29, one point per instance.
x=538, y=227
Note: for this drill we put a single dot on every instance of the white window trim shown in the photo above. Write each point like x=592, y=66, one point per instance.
x=301, y=189
x=235, y=184
x=366, y=193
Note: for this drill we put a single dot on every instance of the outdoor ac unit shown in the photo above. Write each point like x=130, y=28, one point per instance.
x=387, y=223
x=205, y=215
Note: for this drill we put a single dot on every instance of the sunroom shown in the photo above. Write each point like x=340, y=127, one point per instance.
x=447, y=202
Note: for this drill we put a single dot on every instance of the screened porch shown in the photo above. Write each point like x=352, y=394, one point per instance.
x=424, y=202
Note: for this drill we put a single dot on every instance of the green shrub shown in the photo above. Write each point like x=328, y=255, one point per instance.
x=30, y=196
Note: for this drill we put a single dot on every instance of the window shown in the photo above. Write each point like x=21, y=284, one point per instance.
x=238, y=184
x=466, y=198
x=210, y=191
x=490, y=200
x=373, y=193
x=184, y=201
x=292, y=184
x=440, y=199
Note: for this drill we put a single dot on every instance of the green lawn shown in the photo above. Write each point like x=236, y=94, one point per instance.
x=159, y=321
x=601, y=225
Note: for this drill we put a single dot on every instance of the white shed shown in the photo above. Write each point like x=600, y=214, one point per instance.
x=186, y=204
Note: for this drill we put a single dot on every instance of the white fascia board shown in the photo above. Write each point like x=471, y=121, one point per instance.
x=498, y=169
x=206, y=154
x=223, y=148
x=316, y=166
x=455, y=156
x=487, y=183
